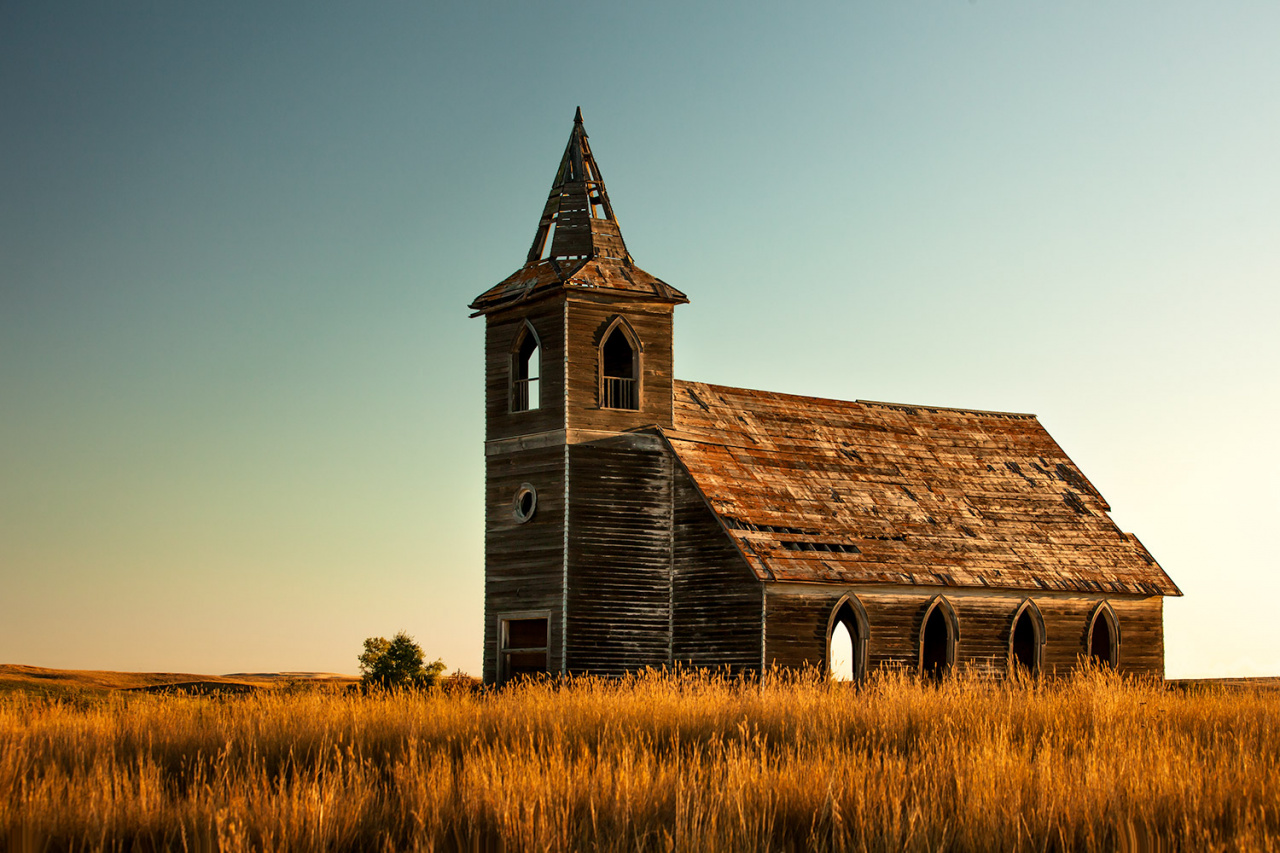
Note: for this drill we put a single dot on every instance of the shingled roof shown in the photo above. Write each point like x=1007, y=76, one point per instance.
x=578, y=244
x=827, y=491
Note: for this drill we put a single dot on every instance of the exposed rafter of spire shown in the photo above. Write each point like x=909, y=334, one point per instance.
x=578, y=247
x=578, y=219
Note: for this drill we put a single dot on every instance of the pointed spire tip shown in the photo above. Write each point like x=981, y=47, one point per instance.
x=577, y=117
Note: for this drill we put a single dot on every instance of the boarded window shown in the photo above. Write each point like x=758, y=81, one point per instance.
x=524, y=646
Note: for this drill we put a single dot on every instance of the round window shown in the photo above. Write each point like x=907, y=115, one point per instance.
x=525, y=503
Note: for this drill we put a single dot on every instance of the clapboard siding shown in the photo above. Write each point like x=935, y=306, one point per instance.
x=619, y=555
x=985, y=623
x=796, y=623
x=796, y=628
x=717, y=599
x=1141, y=635
x=501, y=331
x=893, y=622
x=588, y=320
x=524, y=564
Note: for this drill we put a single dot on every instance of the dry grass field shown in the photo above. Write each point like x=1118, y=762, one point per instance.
x=657, y=762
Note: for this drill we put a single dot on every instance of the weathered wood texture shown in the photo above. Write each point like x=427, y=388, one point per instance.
x=727, y=535
x=716, y=598
x=578, y=245
x=796, y=622
x=523, y=563
x=619, y=555
x=832, y=491
x=1141, y=635
x=652, y=323
x=501, y=332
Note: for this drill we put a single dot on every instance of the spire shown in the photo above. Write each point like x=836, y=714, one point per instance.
x=578, y=246
x=578, y=218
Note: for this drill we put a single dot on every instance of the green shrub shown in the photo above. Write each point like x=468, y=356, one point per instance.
x=397, y=663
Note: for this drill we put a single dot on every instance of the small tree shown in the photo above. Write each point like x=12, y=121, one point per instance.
x=398, y=662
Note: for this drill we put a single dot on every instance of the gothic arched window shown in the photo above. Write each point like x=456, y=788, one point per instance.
x=1103, y=637
x=526, y=366
x=619, y=367
x=939, y=635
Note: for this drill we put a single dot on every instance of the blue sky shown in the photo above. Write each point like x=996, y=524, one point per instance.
x=240, y=396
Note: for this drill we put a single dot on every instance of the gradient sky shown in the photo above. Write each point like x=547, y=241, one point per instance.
x=240, y=396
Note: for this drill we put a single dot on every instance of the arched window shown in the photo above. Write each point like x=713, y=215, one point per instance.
x=619, y=367
x=847, y=635
x=1103, y=638
x=1026, y=638
x=939, y=634
x=526, y=367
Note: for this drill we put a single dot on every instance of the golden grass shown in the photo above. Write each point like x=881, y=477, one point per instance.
x=656, y=762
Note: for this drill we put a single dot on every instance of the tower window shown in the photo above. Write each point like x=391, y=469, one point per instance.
x=526, y=367
x=619, y=373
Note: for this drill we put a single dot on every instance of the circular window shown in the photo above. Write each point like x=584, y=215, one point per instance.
x=525, y=503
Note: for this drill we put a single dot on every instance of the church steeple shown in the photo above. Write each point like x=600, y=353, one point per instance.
x=578, y=245
x=578, y=217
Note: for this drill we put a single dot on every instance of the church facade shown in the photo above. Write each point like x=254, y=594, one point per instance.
x=633, y=520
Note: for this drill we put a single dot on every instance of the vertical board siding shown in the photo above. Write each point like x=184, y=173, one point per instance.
x=523, y=564
x=619, y=555
x=797, y=622
x=587, y=323
x=501, y=330
x=717, y=599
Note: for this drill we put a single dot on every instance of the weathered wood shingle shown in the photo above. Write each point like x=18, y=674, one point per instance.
x=816, y=490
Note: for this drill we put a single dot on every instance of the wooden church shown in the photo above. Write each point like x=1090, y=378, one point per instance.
x=633, y=520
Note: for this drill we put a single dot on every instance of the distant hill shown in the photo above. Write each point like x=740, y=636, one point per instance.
x=36, y=679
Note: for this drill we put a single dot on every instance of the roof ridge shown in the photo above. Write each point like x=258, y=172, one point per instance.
x=925, y=407
x=992, y=412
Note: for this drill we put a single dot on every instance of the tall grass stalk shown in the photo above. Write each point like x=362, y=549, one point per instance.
x=660, y=761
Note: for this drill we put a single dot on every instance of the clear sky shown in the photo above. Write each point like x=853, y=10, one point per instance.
x=240, y=396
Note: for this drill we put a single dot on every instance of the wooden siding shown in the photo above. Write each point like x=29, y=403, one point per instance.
x=716, y=618
x=523, y=563
x=501, y=330
x=619, y=555
x=796, y=622
x=1141, y=635
x=652, y=323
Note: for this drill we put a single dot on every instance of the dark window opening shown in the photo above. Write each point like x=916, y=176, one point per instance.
x=935, y=645
x=524, y=647
x=1026, y=651
x=525, y=371
x=618, y=368
x=1102, y=642
x=525, y=502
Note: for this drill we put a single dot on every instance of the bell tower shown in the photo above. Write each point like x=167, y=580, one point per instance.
x=578, y=363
